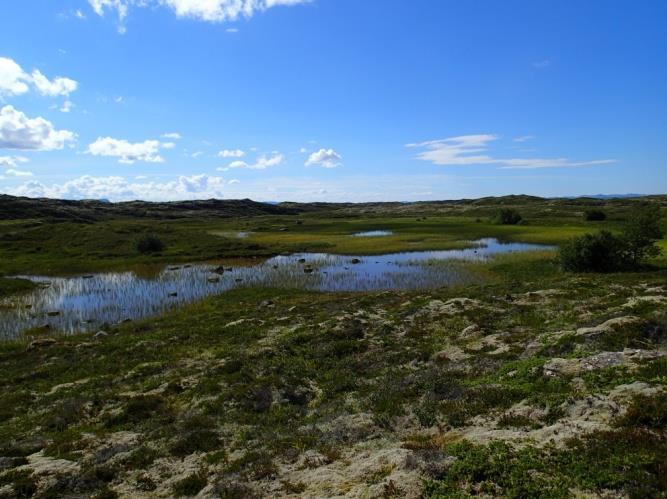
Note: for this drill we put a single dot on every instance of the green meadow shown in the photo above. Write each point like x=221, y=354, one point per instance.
x=530, y=382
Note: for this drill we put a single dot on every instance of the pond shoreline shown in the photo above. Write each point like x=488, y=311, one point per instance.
x=90, y=301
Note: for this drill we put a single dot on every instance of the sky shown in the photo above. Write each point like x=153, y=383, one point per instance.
x=332, y=100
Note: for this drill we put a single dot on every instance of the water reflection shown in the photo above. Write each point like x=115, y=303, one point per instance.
x=373, y=233
x=94, y=301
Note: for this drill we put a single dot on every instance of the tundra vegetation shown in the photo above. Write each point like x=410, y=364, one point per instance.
x=539, y=380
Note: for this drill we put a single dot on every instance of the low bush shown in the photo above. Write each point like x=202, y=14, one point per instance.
x=606, y=252
x=594, y=215
x=150, y=243
x=601, y=252
x=507, y=216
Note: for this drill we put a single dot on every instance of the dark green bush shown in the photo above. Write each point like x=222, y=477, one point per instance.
x=641, y=233
x=507, y=216
x=594, y=215
x=150, y=243
x=601, y=252
x=606, y=252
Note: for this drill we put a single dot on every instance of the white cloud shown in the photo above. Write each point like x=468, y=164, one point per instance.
x=59, y=86
x=232, y=30
x=12, y=161
x=17, y=131
x=203, y=10
x=262, y=163
x=524, y=138
x=121, y=189
x=67, y=106
x=224, y=10
x=535, y=163
x=17, y=173
x=231, y=153
x=79, y=14
x=13, y=80
x=326, y=158
x=542, y=64
x=472, y=150
x=147, y=151
x=171, y=135
x=196, y=154
x=120, y=6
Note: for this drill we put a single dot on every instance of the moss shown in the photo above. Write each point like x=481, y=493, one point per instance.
x=629, y=462
x=190, y=485
x=646, y=412
x=22, y=482
x=12, y=286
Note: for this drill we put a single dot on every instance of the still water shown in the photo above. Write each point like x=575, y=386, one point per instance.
x=92, y=302
x=373, y=233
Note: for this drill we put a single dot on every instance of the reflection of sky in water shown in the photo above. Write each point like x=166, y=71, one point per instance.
x=373, y=233
x=93, y=303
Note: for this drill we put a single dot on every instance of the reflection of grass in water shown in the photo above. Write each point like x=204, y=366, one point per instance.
x=137, y=294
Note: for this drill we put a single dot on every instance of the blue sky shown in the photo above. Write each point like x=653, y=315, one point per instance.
x=332, y=100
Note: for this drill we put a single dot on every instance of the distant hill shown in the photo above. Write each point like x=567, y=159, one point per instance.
x=13, y=208
x=92, y=210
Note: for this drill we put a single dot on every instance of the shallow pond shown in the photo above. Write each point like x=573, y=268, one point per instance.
x=93, y=302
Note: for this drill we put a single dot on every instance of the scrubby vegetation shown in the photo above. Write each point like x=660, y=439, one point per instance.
x=606, y=252
x=507, y=216
x=150, y=243
x=595, y=215
x=533, y=383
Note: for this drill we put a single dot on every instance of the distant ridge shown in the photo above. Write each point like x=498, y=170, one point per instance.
x=606, y=196
x=90, y=210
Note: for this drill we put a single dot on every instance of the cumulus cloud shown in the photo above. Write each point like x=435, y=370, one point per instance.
x=231, y=153
x=15, y=81
x=12, y=161
x=473, y=150
x=18, y=131
x=128, y=152
x=120, y=189
x=326, y=158
x=59, y=86
x=214, y=11
x=223, y=10
x=263, y=162
x=171, y=135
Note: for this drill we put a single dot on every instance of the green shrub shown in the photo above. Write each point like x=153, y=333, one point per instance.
x=641, y=233
x=150, y=243
x=606, y=252
x=601, y=252
x=594, y=215
x=507, y=216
